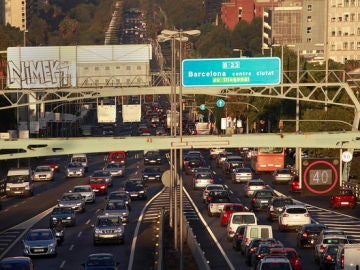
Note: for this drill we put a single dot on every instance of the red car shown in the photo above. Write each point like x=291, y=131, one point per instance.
x=345, y=197
x=53, y=163
x=289, y=253
x=294, y=184
x=98, y=185
x=228, y=210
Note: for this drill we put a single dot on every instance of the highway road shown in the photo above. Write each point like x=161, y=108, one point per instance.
x=78, y=240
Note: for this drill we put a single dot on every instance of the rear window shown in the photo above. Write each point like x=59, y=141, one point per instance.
x=256, y=183
x=203, y=176
x=275, y=266
x=296, y=211
x=259, y=232
x=243, y=219
x=264, y=194
x=282, y=202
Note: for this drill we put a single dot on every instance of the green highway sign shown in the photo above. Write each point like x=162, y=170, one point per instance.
x=231, y=71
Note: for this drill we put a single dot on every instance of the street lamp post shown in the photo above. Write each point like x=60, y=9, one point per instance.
x=181, y=36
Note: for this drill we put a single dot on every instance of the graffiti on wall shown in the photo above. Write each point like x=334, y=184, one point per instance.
x=39, y=74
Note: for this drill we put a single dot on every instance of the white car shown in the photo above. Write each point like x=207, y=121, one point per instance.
x=293, y=216
x=86, y=192
x=43, y=173
x=252, y=185
x=282, y=176
x=215, y=151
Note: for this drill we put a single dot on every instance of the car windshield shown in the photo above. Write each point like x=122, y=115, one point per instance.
x=290, y=254
x=117, y=196
x=275, y=266
x=234, y=208
x=62, y=210
x=152, y=169
x=43, y=169
x=243, y=219
x=113, y=165
x=263, y=194
x=78, y=159
x=39, y=235
x=100, y=260
x=282, y=202
x=71, y=197
x=152, y=154
x=17, y=179
x=214, y=187
x=82, y=189
x=134, y=183
x=101, y=174
x=115, y=206
x=74, y=165
x=109, y=221
x=97, y=181
x=296, y=211
x=203, y=176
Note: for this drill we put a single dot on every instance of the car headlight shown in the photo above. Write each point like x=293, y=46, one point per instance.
x=118, y=230
x=141, y=191
x=68, y=217
x=54, y=218
x=97, y=231
x=78, y=204
x=145, y=176
x=52, y=245
x=26, y=246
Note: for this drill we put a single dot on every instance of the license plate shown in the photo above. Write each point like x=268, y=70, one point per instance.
x=264, y=201
x=95, y=190
x=17, y=192
x=38, y=250
x=344, y=203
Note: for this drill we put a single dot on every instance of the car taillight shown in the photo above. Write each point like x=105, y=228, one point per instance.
x=248, y=188
x=246, y=241
x=211, y=180
x=209, y=198
x=305, y=234
x=253, y=249
x=263, y=187
x=285, y=215
x=328, y=258
x=297, y=261
x=196, y=180
x=322, y=248
x=253, y=200
x=239, y=236
x=342, y=263
x=307, y=215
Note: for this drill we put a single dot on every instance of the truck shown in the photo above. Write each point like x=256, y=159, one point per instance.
x=168, y=119
x=19, y=182
x=217, y=199
x=348, y=257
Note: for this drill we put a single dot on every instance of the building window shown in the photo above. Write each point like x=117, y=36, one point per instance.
x=96, y=68
x=352, y=45
x=309, y=8
x=333, y=47
x=345, y=46
x=340, y=19
x=339, y=33
x=333, y=33
x=86, y=68
x=333, y=19
x=128, y=68
x=107, y=68
x=308, y=30
x=358, y=45
x=138, y=67
x=346, y=3
x=308, y=40
x=309, y=19
x=358, y=31
x=346, y=17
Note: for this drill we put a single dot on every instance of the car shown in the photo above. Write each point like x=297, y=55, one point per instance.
x=253, y=246
x=82, y=158
x=116, y=157
x=152, y=173
x=99, y=185
x=108, y=228
x=344, y=197
x=108, y=131
x=201, y=180
x=120, y=195
x=289, y=253
x=86, y=192
x=293, y=216
x=328, y=259
x=232, y=162
x=282, y=176
x=209, y=188
x=237, y=219
x=274, y=262
x=276, y=206
x=17, y=263
x=43, y=173
x=261, y=198
x=117, y=208
x=294, y=184
x=228, y=210
x=115, y=169
x=66, y=215
x=136, y=188
x=221, y=157
x=101, y=261
x=152, y=158
x=194, y=164
x=102, y=174
x=40, y=242
x=255, y=231
x=242, y=175
x=308, y=234
x=262, y=251
x=252, y=185
x=215, y=151
x=75, y=169
x=326, y=240
x=54, y=164
x=216, y=200
x=73, y=200
x=238, y=236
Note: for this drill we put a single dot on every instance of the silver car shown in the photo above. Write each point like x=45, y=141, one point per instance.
x=108, y=229
x=73, y=200
x=40, y=242
x=43, y=173
x=115, y=169
x=252, y=185
x=86, y=192
x=75, y=169
x=242, y=175
x=117, y=208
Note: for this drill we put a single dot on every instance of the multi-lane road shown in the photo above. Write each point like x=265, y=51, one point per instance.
x=78, y=240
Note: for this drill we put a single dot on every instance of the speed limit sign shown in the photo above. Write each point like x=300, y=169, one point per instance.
x=346, y=156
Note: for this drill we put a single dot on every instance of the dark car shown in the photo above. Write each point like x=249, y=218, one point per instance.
x=328, y=258
x=253, y=246
x=152, y=158
x=152, y=173
x=136, y=188
x=262, y=251
x=194, y=164
x=238, y=236
x=66, y=215
x=308, y=234
x=101, y=261
x=291, y=254
x=261, y=198
x=16, y=263
x=120, y=195
x=276, y=206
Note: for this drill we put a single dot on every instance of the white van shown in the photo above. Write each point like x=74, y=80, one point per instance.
x=82, y=158
x=348, y=257
x=255, y=231
x=19, y=182
x=237, y=219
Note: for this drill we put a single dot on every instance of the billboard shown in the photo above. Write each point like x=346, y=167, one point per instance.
x=78, y=66
x=131, y=113
x=106, y=113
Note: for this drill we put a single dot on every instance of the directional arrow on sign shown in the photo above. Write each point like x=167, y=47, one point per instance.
x=220, y=103
x=202, y=107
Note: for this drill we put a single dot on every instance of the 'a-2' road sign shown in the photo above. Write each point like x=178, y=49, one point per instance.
x=231, y=71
